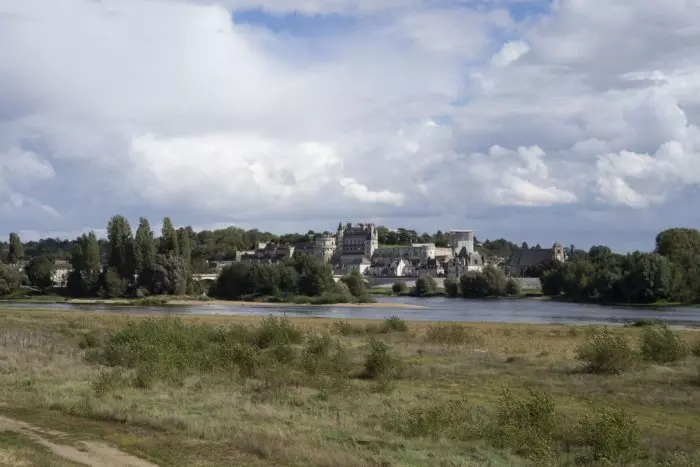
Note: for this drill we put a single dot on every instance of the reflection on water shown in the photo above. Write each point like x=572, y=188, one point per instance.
x=436, y=309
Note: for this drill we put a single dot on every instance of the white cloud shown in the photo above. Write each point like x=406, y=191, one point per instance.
x=510, y=52
x=360, y=192
x=170, y=105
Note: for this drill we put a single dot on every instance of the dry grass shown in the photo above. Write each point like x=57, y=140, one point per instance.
x=280, y=417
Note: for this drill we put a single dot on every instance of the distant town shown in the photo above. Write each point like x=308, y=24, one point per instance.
x=357, y=247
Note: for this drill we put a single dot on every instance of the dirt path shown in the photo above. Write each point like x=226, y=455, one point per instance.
x=88, y=452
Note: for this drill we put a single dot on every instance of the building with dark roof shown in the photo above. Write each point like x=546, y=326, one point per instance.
x=523, y=259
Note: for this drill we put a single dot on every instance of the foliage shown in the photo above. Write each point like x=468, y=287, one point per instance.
x=611, y=436
x=491, y=282
x=169, y=244
x=112, y=284
x=399, y=287
x=394, y=323
x=526, y=426
x=695, y=348
x=9, y=280
x=16, y=250
x=40, y=272
x=660, y=344
x=168, y=275
x=355, y=283
x=84, y=279
x=606, y=352
x=453, y=419
x=425, y=286
x=512, y=287
x=144, y=246
x=450, y=334
x=452, y=288
x=323, y=355
x=302, y=275
x=121, y=247
x=380, y=362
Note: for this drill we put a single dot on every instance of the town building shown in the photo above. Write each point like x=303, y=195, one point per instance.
x=524, y=259
x=465, y=262
x=356, y=244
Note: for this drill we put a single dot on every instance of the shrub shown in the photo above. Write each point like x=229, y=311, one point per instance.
x=450, y=334
x=345, y=328
x=606, y=352
x=451, y=420
x=323, y=355
x=394, y=323
x=399, y=288
x=452, y=288
x=660, y=344
x=611, y=436
x=525, y=426
x=695, y=348
x=277, y=331
x=90, y=340
x=9, y=280
x=474, y=285
x=512, y=287
x=356, y=283
x=380, y=363
x=425, y=287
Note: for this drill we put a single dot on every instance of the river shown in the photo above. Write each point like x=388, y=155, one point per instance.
x=435, y=309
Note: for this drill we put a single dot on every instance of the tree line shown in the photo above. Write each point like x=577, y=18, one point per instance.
x=670, y=273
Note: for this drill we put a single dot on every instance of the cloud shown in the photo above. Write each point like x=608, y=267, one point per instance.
x=360, y=192
x=449, y=112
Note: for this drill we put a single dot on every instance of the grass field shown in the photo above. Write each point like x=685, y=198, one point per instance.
x=251, y=391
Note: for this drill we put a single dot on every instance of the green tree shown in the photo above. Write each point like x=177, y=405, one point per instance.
x=121, y=247
x=40, y=273
x=474, y=285
x=144, y=246
x=169, y=244
x=184, y=244
x=16, y=251
x=425, y=286
x=452, y=288
x=113, y=285
x=84, y=279
x=648, y=280
x=167, y=276
x=9, y=280
x=496, y=280
x=356, y=283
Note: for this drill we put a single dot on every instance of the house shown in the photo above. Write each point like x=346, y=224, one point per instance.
x=523, y=259
x=464, y=263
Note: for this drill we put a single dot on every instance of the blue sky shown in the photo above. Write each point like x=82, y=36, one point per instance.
x=533, y=121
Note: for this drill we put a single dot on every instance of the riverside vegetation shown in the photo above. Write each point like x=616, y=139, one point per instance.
x=250, y=391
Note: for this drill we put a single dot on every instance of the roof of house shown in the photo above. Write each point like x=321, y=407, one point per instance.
x=529, y=256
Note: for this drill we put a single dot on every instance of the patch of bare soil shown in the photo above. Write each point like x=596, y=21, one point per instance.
x=89, y=452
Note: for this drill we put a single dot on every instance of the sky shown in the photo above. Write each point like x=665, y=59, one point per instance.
x=539, y=121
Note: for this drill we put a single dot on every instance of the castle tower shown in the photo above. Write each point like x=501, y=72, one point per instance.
x=558, y=252
x=461, y=239
x=372, y=240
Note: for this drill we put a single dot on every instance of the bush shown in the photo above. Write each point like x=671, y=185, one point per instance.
x=380, y=363
x=394, y=324
x=355, y=283
x=606, y=352
x=695, y=348
x=452, y=420
x=611, y=436
x=9, y=280
x=512, y=287
x=660, y=344
x=425, y=287
x=399, y=288
x=277, y=331
x=525, y=426
x=452, y=288
x=450, y=334
x=323, y=355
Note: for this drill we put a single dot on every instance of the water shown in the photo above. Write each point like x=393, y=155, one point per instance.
x=436, y=309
